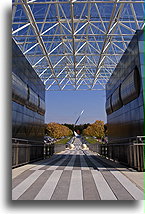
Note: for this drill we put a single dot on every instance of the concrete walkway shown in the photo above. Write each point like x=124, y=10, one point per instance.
x=76, y=175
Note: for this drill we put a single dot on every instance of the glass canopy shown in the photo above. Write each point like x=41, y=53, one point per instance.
x=75, y=44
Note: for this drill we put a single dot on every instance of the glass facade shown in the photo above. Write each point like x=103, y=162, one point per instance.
x=28, y=99
x=124, y=93
x=116, y=100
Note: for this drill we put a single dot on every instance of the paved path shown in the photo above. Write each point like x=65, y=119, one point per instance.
x=73, y=175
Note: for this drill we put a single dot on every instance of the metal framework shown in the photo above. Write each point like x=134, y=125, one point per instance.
x=75, y=44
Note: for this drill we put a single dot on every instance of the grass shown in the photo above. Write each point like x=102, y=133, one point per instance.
x=92, y=140
x=63, y=141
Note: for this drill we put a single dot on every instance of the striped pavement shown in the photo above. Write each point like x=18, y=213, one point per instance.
x=72, y=175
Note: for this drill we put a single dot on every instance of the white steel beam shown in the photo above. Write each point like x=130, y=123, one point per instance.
x=36, y=31
x=20, y=28
x=114, y=18
x=75, y=43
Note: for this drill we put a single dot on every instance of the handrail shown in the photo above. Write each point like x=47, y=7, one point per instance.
x=25, y=140
x=130, y=139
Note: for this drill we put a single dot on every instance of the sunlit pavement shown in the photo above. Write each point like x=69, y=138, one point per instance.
x=76, y=174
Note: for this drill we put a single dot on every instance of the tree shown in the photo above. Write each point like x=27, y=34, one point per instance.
x=57, y=130
x=96, y=129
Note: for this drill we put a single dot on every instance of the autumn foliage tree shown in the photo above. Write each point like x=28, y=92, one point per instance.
x=57, y=130
x=96, y=129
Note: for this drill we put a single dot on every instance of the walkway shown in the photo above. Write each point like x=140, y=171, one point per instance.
x=75, y=175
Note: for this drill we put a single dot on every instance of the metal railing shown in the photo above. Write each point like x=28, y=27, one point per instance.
x=26, y=151
x=136, y=153
x=129, y=151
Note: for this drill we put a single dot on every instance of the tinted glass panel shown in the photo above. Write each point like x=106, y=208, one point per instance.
x=19, y=90
x=130, y=87
x=33, y=101
x=108, y=106
x=41, y=108
x=116, y=100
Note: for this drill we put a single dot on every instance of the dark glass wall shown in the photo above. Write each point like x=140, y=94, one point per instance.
x=124, y=94
x=28, y=99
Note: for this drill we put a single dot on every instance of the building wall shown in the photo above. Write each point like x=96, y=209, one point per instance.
x=125, y=113
x=28, y=109
x=28, y=98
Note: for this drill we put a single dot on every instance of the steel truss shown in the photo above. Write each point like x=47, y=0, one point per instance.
x=75, y=44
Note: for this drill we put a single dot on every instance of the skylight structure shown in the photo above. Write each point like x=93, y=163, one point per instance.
x=75, y=44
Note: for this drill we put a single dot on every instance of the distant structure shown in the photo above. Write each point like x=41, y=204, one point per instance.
x=79, y=117
x=77, y=121
x=76, y=134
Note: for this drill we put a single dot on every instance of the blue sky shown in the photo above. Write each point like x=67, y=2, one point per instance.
x=65, y=106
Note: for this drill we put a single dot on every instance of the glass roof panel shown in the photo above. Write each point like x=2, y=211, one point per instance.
x=75, y=44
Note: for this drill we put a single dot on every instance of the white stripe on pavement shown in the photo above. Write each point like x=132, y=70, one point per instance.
x=57, y=164
x=70, y=163
x=97, y=164
x=24, y=185
x=49, y=187
x=76, y=189
x=136, y=193
x=103, y=188
x=129, y=186
x=84, y=165
x=39, y=166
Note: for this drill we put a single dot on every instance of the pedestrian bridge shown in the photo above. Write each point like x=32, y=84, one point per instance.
x=76, y=174
x=78, y=45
